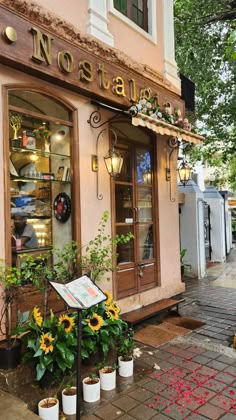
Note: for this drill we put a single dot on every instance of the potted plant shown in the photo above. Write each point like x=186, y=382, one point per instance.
x=101, y=326
x=10, y=348
x=107, y=375
x=51, y=343
x=48, y=408
x=125, y=347
x=91, y=388
x=69, y=398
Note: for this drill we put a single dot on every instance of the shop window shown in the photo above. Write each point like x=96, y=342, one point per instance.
x=40, y=130
x=135, y=10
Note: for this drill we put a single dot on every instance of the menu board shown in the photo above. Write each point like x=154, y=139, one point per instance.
x=81, y=293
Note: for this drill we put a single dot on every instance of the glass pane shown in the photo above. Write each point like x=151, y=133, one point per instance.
x=145, y=204
x=140, y=19
x=44, y=135
x=135, y=14
x=144, y=166
x=135, y=3
x=117, y=4
x=42, y=104
x=125, y=251
x=140, y=4
x=124, y=6
x=126, y=172
x=124, y=204
x=145, y=242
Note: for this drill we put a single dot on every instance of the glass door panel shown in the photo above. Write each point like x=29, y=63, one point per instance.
x=125, y=251
x=145, y=242
x=144, y=166
x=145, y=204
x=124, y=203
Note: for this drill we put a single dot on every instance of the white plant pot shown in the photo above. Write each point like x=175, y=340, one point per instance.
x=91, y=391
x=69, y=401
x=108, y=379
x=126, y=368
x=47, y=410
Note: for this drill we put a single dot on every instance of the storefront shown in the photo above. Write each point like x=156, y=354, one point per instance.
x=52, y=83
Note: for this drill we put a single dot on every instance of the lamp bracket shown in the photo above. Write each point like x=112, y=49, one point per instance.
x=173, y=143
x=94, y=158
x=95, y=119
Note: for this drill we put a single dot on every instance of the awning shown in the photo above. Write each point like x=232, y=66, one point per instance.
x=163, y=128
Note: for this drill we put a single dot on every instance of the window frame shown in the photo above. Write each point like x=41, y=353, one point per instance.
x=151, y=35
x=129, y=14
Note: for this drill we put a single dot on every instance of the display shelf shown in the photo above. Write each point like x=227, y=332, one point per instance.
x=28, y=179
x=38, y=152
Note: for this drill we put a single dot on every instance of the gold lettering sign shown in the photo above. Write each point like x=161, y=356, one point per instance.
x=103, y=83
x=86, y=71
x=145, y=93
x=133, y=91
x=42, y=46
x=66, y=61
x=74, y=66
x=119, y=87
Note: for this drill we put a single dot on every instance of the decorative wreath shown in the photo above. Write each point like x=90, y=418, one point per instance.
x=62, y=207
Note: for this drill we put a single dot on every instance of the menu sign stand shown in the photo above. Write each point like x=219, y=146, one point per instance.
x=79, y=294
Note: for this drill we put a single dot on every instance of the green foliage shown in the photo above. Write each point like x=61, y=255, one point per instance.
x=100, y=253
x=101, y=328
x=10, y=282
x=51, y=344
x=125, y=342
x=203, y=38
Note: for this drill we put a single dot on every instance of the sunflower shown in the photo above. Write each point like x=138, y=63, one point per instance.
x=116, y=307
x=37, y=317
x=95, y=322
x=109, y=297
x=67, y=321
x=112, y=312
x=46, y=343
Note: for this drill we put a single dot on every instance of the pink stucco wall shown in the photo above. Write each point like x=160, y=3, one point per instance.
x=145, y=51
x=126, y=38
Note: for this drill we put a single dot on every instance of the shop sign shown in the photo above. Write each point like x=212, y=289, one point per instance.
x=35, y=51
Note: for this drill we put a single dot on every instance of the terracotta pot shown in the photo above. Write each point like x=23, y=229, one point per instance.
x=48, y=409
x=91, y=389
x=126, y=367
x=108, y=378
x=69, y=397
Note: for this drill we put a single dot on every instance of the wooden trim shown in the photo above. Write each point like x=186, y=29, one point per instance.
x=155, y=222
x=6, y=153
x=38, y=115
x=75, y=186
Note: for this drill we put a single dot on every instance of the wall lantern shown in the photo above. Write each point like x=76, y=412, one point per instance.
x=113, y=160
x=184, y=170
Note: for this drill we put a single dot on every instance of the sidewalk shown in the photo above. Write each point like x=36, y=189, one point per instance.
x=190, y=377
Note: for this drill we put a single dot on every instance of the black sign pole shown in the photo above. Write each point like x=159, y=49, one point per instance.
x=79, y=385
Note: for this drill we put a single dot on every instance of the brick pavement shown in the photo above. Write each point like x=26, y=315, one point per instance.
x=196, y=375
x=179, y=380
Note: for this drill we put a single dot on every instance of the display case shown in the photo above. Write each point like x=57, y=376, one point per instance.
x=40, y=168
